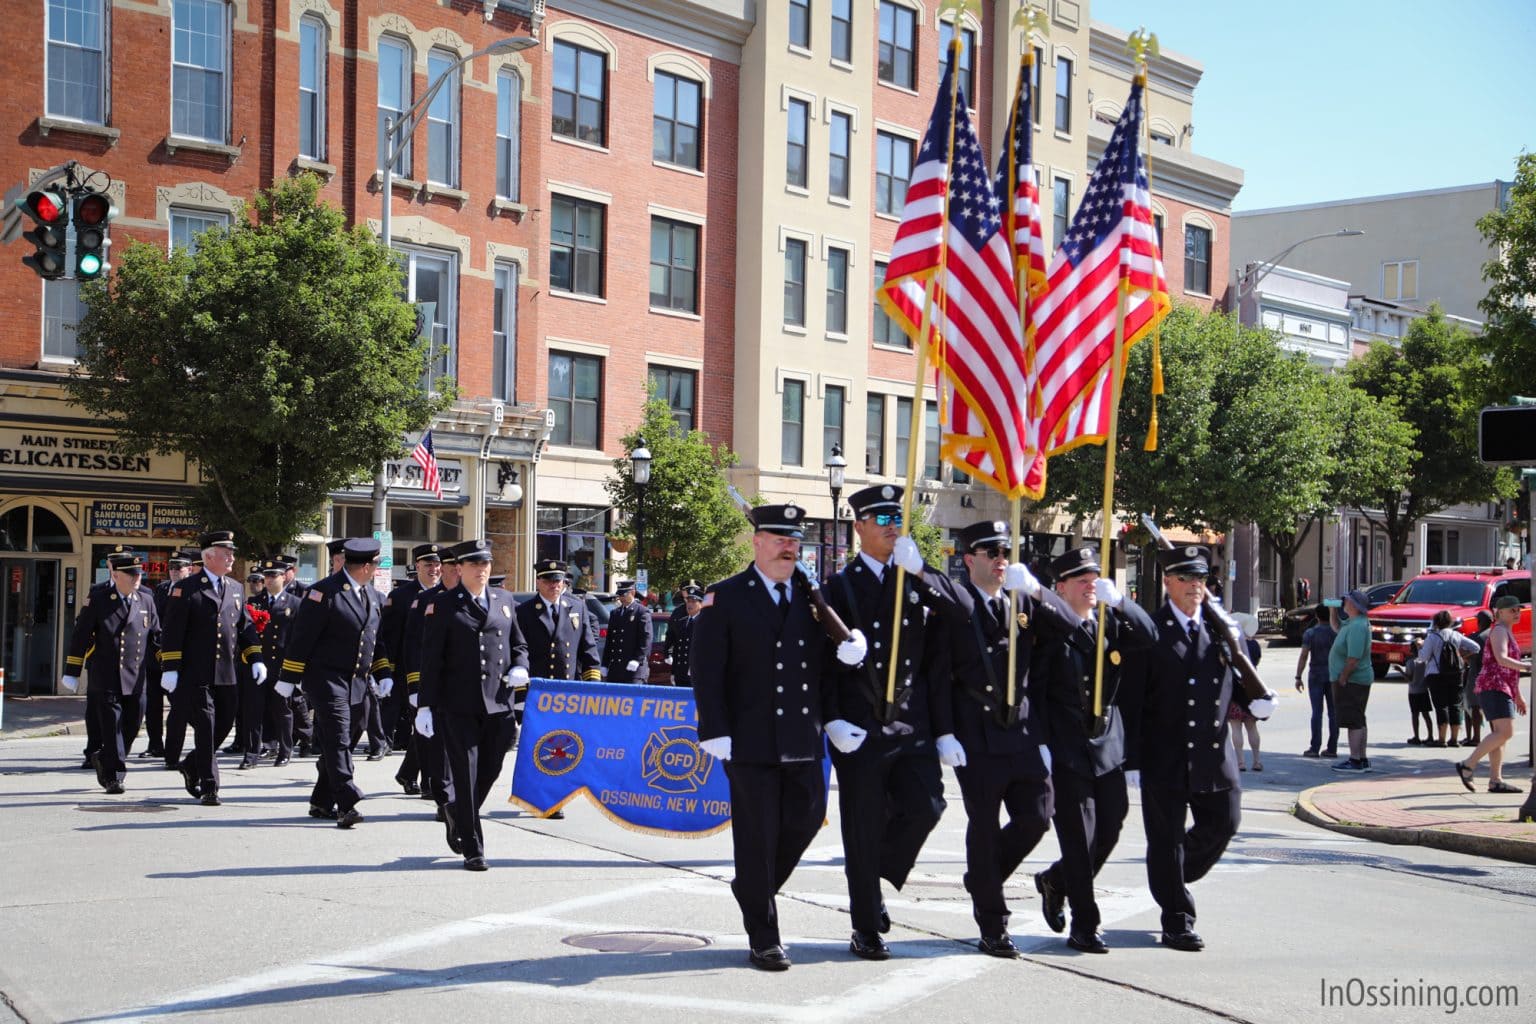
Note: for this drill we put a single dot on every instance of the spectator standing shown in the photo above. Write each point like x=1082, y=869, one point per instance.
x=1473, y=665
x=1442, y=656
x=1316, y=642
x=1498, y=690
x=1350, y=672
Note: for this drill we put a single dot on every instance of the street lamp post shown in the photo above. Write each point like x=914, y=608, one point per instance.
x=640, y=462
x=397, y=135
x=837, y=466
x=1258, y=271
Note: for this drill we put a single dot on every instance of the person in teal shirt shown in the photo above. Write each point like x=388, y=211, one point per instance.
x=1351, y=674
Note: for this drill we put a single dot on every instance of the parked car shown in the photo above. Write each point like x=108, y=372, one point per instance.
x=1398, y=627
x=661, y=672
x=1299, y=620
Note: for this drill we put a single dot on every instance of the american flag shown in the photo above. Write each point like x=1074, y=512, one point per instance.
x=974, y=340
x=1111, y=246
x=426, y=458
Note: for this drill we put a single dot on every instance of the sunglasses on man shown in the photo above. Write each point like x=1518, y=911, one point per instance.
x=885, y=518
x=991, y=551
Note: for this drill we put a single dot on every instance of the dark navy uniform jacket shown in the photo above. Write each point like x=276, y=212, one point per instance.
x=1066, y=667
x=629, y=639
x=764, y=685
x=466, y=652
x=397, y=606
x=203, y=635
x=334, y=642
x=115, y=638
x=680, y=648
x=274, y=640
x=1182, y=742
x=568, y=650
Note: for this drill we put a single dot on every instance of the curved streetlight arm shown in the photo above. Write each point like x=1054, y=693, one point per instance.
x=399, y=131
x=1249, y=278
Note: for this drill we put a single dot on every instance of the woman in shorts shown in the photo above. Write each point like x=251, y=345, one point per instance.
x=1498, y=691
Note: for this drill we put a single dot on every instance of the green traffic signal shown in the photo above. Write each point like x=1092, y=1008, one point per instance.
x=93, y=212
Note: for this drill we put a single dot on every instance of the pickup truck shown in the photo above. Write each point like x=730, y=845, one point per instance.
x=1398, y=627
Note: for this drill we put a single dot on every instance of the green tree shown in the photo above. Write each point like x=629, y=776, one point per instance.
x=1509, y=336
x=693, y=529
x=1435, y=383
x=280, y=356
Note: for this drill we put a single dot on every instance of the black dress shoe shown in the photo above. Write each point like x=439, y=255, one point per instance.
x=89, y=764
x=114, y=788
x=1188, y=941
x=869, y=946
x=194, y=787
x=1052, y=903
x=282, y=759
x=410, y=787
x=773, y=958
x=442, y=813
x=233, y=748
x=454, y=842
x=247, y=764
x=475, y=864
x=211, y=800
x=316, y=811
x=999, y=946
x=1088, y=943
x=348, y=818
x=152, y=752
x=885, y=919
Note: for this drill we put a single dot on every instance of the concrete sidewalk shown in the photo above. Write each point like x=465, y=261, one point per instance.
x=23, y=717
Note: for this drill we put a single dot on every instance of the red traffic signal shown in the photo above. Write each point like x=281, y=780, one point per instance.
x=47, y=206
x=50, y=210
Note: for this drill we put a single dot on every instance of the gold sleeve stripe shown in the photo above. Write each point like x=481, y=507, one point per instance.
x=412, y=678
x=167, y=657
x=74, y=662
x=592, y=675
x=292, y=666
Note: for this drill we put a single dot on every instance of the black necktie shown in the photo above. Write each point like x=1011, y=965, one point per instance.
x=999, y=611
x=1194, y=638
x=783, y=592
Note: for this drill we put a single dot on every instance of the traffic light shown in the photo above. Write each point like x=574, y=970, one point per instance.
x=49, y=210
x=93, y=212
x=1506, y=436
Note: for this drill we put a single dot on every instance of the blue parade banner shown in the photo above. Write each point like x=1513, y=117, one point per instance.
x=632, y=750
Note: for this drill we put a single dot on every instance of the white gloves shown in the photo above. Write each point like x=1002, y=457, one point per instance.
x=1262, y=708
x=633, y=666
x=71, y=683
x=853, y=650
x=168, y=681
x=1133, y=778
x=424, y=722
x=384, y=684
x=950, y=750
x=907, y=556
x=411, y=699
x=1017, y=577
x=718, y=748
x=282, y=689
x=669, y=659
x=1045, y=755
x=1107, y=592
x=845, y=736
x=518, y=677
x=258, y=672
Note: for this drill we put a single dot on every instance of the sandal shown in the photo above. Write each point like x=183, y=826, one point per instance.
x=1503, y=787
x=1465, y=774
x=1258, y=766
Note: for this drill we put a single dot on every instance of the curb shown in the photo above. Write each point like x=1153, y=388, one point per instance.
x=1516, y=850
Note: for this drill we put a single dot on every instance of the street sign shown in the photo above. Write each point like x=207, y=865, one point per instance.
x=386, y=539
x=642, y=582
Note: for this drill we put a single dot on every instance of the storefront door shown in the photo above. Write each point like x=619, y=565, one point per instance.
x=30, y=630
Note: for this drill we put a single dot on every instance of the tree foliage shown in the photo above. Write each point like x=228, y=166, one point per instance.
x=280, y=356
x=1509, y=337
x=693, y=528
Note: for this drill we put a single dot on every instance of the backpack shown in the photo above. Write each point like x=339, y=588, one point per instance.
x=1450, y=658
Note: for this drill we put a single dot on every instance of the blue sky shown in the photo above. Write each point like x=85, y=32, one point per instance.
x=1319, y=101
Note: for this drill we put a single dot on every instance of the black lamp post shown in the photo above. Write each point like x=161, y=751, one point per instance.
x=836, y=467
x=640, y=461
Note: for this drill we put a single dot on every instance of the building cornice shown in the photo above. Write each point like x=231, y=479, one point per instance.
x=1179, y=174
x=715, y=28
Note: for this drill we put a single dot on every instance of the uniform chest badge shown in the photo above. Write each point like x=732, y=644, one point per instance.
x=575, y=619
x=1114, y=657
x=506, y=610
x=1023, y=621
x=913, y=598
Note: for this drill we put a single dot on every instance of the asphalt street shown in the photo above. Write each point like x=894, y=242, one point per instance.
x=151, y=907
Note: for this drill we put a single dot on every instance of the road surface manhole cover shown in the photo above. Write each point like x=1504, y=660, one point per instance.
x=636, y=942
x=125, y=808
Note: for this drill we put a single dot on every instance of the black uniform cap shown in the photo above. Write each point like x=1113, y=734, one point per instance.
x=1076, y=562
x=787, y=520
x=993, y=531
x=550, y=569
x=623, y=586
x=125, y=561
x=472, y=551
x=360, y=550
x=1194, y=558
x=337, y=546
x=431, y=552
x=693, y=590
x=878, y=498
x=217, y=539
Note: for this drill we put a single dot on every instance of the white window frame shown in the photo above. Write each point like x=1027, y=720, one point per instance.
x=407, y=85
x=447, y=318
x=1395, y=268
x=509, y=133
x=316, y=93
x=506, y=277
x=103, y=57
x=442, y=115
x=225, y=14
x=210, y=219
x=846, y=252
x=56, y=324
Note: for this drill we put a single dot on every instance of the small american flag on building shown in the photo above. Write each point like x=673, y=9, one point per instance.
x=426, y=458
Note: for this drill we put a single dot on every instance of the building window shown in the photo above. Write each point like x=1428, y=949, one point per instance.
x=792, y=436
x=676, y=388
x=574, y=535
x=580, y=94
x=576, y=246
x=874, y=434
x=509, y=131
x=1197, y=259
x=62, y=313
x=674, y=265
x=886, y=332
x=893, y=169
x=931, y=440
x=443, y=121
x=675, y=120
x=199, y=55
x=832, y=418
x=903, y=433
x=967, y=58
x=842, y=30
x=574, y=385
x=504, y=334
x=1063, y=94
x=840, y=141
x=1400, y=280
x=396, y=64
x=312, y=68
x=1061, y=208
x=1162, y=138
x=77, y=59
x=794, y=282
x=800, y=23
x=898, y=45
x=837, y=291
x=1035, y=78
x=186, y=225
x=432, y=280
x=796, y=171
x=1157, y=226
